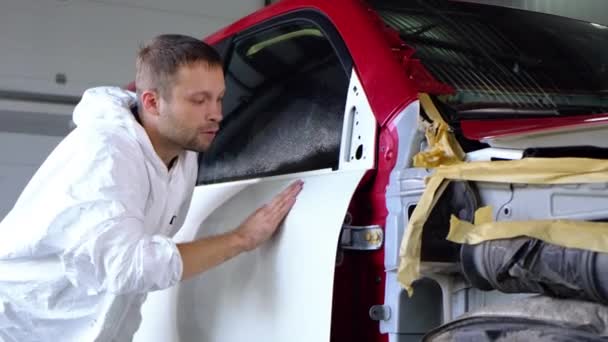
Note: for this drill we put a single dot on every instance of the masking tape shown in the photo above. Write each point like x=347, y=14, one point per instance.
x=443, y=146
x=526, y=171
x=446, y=155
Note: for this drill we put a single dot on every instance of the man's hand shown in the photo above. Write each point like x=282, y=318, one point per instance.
x=262, y=224
x=203, y=254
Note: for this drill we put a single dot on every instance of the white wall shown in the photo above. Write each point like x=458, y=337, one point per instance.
x=92, y=42
x=20, y=157
x=587, y=10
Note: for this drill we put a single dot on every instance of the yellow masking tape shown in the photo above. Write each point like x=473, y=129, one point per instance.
x=484, y=215
x=530, y=171
x=527, y=171
x=409, y=252
x=430, y=109
x=443, y=146
x=568, y=233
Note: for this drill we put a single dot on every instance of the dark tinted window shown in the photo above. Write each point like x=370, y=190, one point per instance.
x=496, y=57
x=284, y=104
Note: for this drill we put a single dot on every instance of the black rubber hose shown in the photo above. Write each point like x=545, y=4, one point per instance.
x=525, y=265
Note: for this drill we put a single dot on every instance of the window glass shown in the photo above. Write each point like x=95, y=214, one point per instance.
x=501, y=60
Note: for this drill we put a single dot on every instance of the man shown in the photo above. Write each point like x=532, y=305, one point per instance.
x=90, y=234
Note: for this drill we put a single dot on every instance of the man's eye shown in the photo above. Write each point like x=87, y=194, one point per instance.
x=198, y=101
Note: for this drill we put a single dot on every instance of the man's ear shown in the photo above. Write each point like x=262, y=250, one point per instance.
x=150, y=101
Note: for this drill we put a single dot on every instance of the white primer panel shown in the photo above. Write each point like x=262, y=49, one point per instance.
x=280, y=292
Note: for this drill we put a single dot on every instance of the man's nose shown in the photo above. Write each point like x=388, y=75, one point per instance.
x=215, y=113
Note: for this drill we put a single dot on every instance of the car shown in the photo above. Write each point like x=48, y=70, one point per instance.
x=346, y=95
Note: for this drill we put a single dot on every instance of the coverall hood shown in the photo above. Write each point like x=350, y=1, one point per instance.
x=104, y=107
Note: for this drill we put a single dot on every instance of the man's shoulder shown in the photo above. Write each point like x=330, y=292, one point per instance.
x=105, y=135
x=107, y=141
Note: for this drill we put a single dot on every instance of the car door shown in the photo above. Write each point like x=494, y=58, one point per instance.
x=294, y=109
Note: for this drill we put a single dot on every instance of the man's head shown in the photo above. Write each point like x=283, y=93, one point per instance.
x=180, y=85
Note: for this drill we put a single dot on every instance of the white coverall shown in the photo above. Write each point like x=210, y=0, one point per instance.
x=91, y=232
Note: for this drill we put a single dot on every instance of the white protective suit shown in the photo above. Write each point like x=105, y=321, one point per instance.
x=91, y=232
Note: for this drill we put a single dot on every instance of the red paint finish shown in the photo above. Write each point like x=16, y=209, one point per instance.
x=360, y=277
x=369, y=41
x=359, y=281
x=488, y=129
x=423, y=80
x=367, y=269
x=391, y=80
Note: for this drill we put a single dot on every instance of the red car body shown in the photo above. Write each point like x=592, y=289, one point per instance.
x=392, y=78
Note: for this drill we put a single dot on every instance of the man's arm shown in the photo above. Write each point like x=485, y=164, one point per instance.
x=203, y=254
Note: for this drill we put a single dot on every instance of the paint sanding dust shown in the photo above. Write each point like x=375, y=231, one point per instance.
x=279, y=292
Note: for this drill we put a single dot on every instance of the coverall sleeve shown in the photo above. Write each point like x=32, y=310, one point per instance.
x=107, y=247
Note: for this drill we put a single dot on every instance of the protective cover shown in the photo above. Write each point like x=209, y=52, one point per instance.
x=525, y=265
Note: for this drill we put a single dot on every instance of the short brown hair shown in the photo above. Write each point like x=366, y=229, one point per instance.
x=159, y=60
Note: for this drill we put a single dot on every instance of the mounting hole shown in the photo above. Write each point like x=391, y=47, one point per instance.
x=355, y=88
x=507, y=211
x=359, y=152
x=61, y=78
x=357, y=123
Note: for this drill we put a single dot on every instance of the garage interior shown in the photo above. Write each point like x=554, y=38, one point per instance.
x=52, y=51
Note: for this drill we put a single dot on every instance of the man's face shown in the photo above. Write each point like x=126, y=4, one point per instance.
x=190, y=116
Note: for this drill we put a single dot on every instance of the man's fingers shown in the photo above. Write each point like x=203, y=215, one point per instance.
x=275, y=211
x=278, y=199
x=291, y=191
x=281, y=210
x=291, y=194
x=284, y=195
x=287, y=207
x=289, y=200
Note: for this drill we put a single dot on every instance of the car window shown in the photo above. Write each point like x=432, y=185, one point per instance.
x=284, y=106
x=495, y=57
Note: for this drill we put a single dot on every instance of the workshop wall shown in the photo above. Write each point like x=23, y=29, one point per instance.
x=53, y=50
